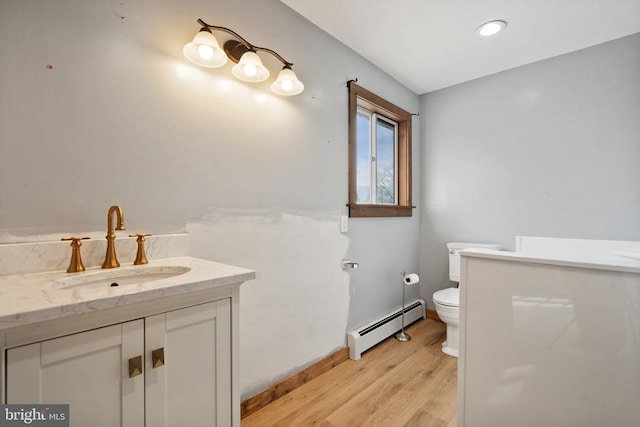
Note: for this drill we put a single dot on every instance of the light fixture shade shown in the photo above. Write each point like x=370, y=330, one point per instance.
x=250, y=68
x=204, y=50
x=287, y=83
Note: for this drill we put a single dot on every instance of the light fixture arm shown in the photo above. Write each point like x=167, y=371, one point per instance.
x=242, y=40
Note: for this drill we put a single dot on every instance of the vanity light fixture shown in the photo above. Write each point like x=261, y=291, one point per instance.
x=205, y=51
x=492, y=27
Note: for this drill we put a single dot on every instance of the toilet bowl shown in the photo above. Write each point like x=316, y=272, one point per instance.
x=447, y=301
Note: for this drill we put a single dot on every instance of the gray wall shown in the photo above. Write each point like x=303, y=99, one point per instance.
x=121, y=117
x=547, y=149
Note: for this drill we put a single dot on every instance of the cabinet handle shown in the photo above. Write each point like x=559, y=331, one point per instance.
x=157, y=357
x=135, y=366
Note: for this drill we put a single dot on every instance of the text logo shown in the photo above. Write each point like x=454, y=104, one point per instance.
x=34, y=415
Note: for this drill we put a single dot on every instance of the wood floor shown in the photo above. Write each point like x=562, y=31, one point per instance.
x=393, y=384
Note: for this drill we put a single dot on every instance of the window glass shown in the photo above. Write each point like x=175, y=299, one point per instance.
x=385, y=162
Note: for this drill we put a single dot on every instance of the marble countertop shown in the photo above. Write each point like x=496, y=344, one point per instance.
x=37, y=297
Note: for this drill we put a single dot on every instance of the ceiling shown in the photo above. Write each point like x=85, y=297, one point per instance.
x=431, y=44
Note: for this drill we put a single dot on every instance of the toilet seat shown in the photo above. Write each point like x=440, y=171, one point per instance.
x=449, y=297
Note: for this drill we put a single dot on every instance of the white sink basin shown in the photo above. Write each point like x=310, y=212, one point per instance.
x=119, y=277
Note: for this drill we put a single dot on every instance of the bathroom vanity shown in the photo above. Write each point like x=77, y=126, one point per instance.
x=550, y=334
x=159, y=348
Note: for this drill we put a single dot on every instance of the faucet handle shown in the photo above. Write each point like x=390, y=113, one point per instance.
x=75, y=265
x=141, y=257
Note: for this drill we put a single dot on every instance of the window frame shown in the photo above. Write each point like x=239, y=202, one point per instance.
x=358, y=96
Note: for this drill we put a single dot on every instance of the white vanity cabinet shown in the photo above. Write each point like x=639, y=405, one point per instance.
x=70, y=338
x=88, y=370
x=183, y=378
x=191, y=386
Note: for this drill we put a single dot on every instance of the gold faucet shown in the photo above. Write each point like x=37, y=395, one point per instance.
x=110, y=259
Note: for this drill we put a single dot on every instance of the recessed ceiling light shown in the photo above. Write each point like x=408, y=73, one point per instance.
x=490, y=28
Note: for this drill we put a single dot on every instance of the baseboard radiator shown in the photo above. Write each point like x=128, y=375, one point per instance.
x=372, y=333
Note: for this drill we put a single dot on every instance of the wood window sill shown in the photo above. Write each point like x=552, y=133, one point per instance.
x=380, y=211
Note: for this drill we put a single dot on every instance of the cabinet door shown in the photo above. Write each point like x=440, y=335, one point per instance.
x=192, y=385
x=89, y=371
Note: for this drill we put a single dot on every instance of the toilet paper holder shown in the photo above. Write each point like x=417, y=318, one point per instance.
x=407, y=280
x=346, y=264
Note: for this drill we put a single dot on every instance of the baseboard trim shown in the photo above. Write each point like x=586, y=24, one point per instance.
x=432, y=314
x=287, y=385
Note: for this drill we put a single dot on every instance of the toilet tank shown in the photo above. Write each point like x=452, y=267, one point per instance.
x=454, y=255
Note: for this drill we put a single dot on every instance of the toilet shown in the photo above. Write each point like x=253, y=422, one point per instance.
x=447, y=301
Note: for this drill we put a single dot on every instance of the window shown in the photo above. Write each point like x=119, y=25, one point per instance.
x=379, y=156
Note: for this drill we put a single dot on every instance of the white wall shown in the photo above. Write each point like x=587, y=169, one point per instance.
x=547, y=149
x=297, y=307
x=120, y=117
